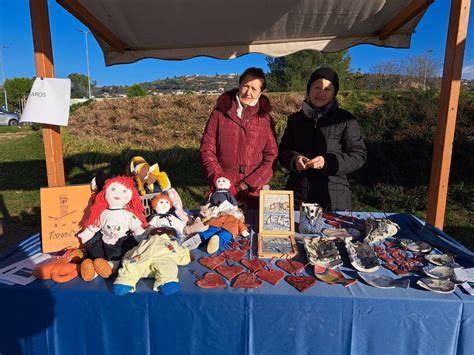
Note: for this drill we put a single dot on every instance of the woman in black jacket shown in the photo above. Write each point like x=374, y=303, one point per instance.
x=321, y=145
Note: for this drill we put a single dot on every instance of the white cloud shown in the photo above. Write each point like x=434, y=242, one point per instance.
x=468, y=71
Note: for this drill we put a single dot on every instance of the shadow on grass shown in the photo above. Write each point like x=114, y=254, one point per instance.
x=14, y=229
x=408, y=162
x=462, y=234
x=182, y=165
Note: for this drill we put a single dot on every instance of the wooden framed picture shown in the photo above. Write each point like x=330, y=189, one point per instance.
x=279, y=246
x=276, y=214
x=277, y=225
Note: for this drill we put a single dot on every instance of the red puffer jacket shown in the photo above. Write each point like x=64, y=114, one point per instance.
x=245, y=149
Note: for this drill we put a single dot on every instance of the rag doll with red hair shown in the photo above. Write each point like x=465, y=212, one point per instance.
x=222, y=190
x=223, y=219
x=115, y=225
x=162, y=205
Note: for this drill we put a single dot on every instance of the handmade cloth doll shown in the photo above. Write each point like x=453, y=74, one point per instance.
x=117, y=211
x=165, y=184
x=222, y=190
x=162, y=204
x=149, y=179
x=223, y=228
x=156, y=257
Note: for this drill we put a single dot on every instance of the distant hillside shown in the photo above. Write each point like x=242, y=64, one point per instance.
x=215, y=84
x=202, y=84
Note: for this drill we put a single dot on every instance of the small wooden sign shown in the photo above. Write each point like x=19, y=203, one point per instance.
x=62, y=210
x=276, y=225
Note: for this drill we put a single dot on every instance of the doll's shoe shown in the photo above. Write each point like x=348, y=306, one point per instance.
x=119, y=289
x=213, y=244
x=169, y=288
x=102, y=267
x=87, y=270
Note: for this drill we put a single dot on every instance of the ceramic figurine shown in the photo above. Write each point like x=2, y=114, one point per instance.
x=362, y=256
x=322, y=252
x=378, y=229
x=311, y=220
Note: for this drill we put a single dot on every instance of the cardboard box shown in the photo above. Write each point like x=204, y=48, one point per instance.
x=62, y=211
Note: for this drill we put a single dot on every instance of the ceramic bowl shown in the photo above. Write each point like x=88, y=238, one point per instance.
x=434, y=285
x=439, y=259
x=439, y=272
x=417, y=247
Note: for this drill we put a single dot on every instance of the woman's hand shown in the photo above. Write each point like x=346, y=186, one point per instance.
x=316, y=163
x=300, y=162
x=242, y=188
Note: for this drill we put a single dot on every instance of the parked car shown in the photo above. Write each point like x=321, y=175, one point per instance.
x=9, y=118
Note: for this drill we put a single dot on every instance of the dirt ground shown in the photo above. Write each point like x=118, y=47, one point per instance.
x=10, y=136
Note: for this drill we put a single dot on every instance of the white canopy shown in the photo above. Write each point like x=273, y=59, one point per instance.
x=130, y=30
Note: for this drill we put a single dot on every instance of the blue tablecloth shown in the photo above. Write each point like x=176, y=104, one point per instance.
x=78, y=317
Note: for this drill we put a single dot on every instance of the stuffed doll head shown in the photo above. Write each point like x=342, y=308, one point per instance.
x=223, y=182
x=118, y=193
x=161, y=204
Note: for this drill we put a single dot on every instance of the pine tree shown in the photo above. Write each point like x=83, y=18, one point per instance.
x=291, y=73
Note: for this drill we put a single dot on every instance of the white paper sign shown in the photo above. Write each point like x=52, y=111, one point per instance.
x=48, y=102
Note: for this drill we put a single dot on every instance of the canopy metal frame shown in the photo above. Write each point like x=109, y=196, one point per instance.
x=447, y=110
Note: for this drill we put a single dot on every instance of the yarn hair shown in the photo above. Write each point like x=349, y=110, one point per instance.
x=154, y=202
x=135, y=205
x=232, y=189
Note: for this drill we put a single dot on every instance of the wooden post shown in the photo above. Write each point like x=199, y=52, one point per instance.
x=45, y=68
x=448, y=107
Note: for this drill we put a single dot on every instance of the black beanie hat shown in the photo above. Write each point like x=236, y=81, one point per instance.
x=325, y=73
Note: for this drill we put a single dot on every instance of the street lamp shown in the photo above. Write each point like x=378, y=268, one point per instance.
x=426, y=67
x=87, y=61
x=3, y=74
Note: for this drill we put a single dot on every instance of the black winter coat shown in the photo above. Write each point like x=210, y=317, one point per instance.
x=337, y=138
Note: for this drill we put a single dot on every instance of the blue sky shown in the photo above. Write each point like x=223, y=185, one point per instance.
x=69, y=49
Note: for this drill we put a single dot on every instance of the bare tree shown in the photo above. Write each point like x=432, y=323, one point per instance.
x=420, y=70
x=387, y=74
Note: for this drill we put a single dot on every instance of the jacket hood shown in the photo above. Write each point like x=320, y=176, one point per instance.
x=224, y=102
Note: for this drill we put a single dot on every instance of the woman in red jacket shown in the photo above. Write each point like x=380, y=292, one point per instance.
x=239, y=140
